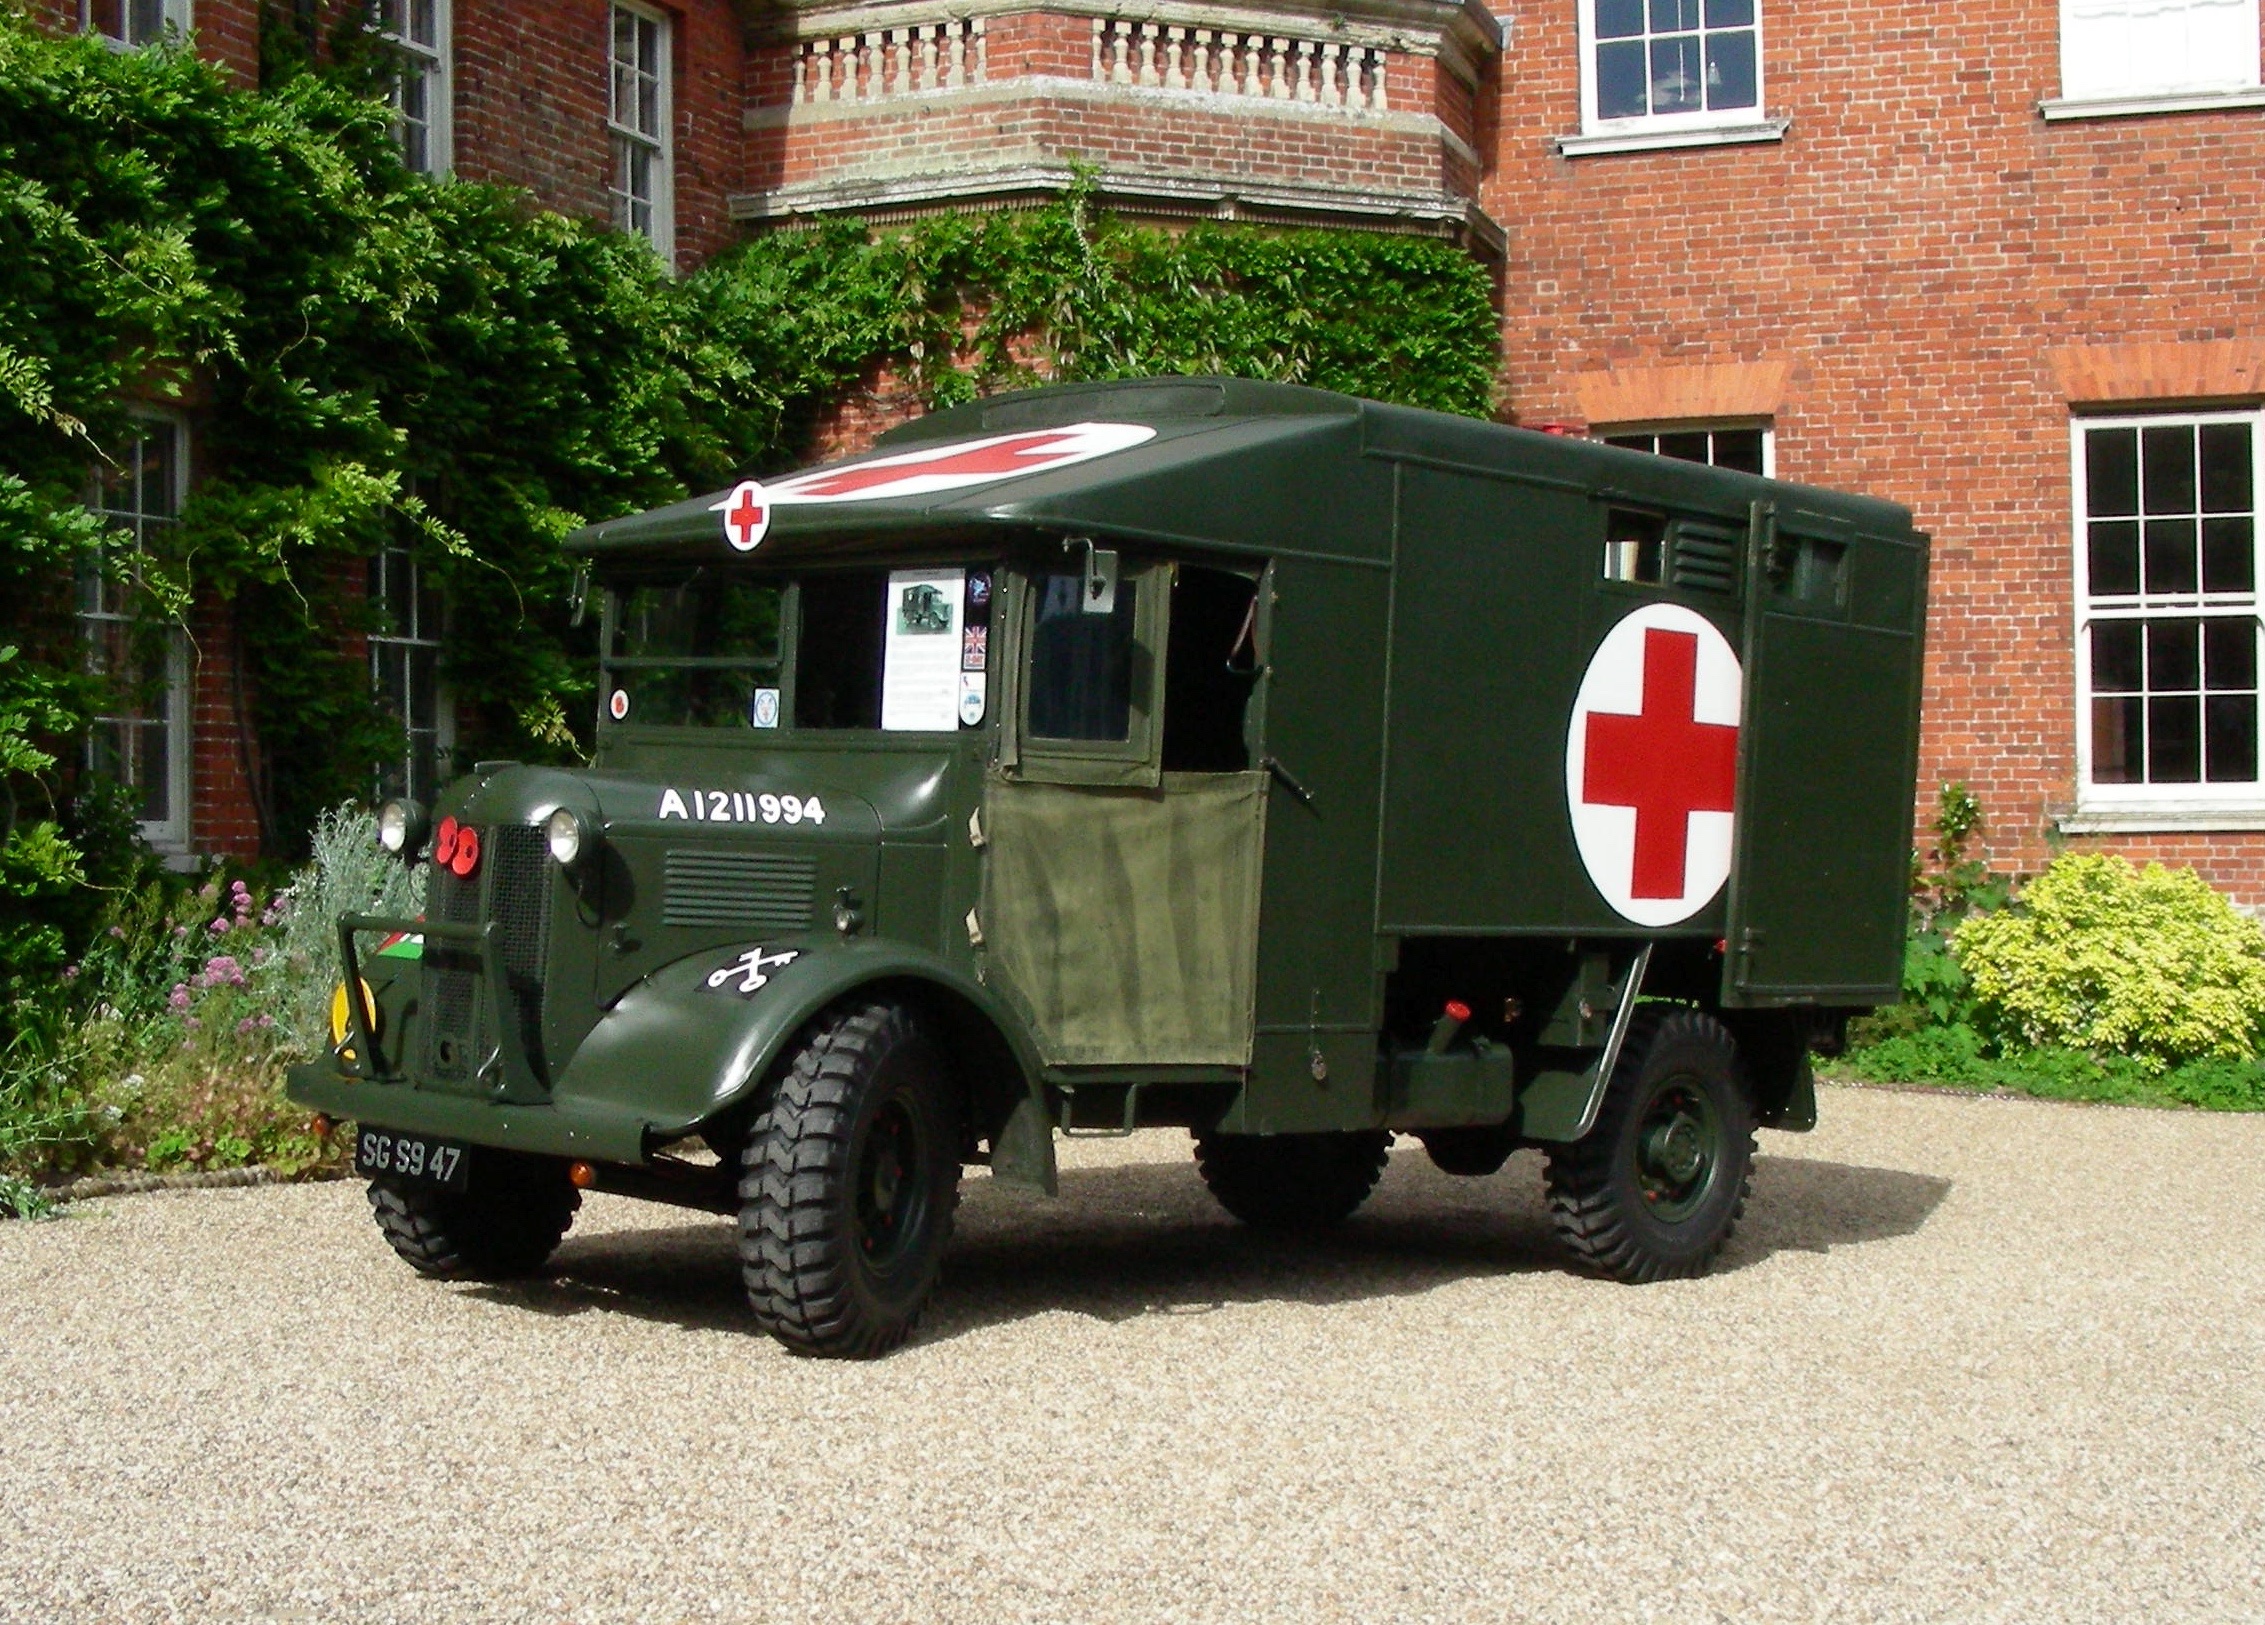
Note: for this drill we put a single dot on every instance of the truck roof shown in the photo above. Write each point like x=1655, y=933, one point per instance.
x=1227, y=464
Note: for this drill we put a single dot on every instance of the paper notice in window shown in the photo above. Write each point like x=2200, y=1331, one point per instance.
x=920, y=675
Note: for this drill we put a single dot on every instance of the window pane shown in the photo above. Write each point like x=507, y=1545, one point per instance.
x=2229, y=555
x=2230, y=721
x=2166, y=464
x=2111, y=472
x=424, y=23
x=1688, y=448
x=1632, y=442
x=1634, y=545
x=2117, y=740
x=2226, y=484
x=2114, y=558
x=1675, y=74
x=1730, y=13
x=1738, y=448
x=1730, y=70
x=1670, y=15
x=152, y=772
x=1620, y=80
x=2115, y=657
x=2174, y=657
x=1081, y=664
x=2229, y=655
x=699, y=616
x=2170, y=556
x=649, y=106
x=2174, y=740
x=1617, y=19
x=145, y=21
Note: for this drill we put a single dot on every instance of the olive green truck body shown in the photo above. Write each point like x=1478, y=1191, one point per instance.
x=1193, y=752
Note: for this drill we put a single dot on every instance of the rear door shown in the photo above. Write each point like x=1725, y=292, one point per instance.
x=1827, y=759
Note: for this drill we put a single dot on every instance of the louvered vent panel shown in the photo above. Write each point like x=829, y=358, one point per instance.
x=768, y=891
x=1706, y=560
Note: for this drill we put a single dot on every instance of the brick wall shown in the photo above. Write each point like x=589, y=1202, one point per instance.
x=1908, y=259
x=531, y=92
x=223, y=817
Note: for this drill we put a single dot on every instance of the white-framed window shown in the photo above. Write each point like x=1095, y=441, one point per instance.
x=405, y=673
x=2115, y=50
x=418, y=31
x=140, y=732
x=2167, y=613
x=1656, y=66
x=131, y=24
x=1748, y=447
x=637, y=116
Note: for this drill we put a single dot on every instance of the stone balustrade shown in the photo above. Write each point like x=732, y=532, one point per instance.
x=879, y=64
x=1226, y=62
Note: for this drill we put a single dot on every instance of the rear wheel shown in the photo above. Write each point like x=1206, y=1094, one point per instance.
x=1291, y=1181
x=507, y=1221
x=850, y=1177
x=1655, y=1189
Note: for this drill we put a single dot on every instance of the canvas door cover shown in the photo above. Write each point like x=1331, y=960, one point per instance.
x=1125, y=921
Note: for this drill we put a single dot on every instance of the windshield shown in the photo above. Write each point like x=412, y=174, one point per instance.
x=701, y=650
x=898, y=650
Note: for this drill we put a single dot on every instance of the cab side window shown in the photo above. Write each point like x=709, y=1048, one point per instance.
x=1209, y=671
x=1081, y=660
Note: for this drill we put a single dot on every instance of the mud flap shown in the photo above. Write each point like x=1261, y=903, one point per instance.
x=1022, y=1153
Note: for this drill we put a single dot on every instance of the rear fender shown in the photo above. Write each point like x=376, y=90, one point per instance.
x=698, y=1038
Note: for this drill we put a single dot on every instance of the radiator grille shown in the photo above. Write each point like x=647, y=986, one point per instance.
x=1705, y=559
x=765, y=891
x=517, y=890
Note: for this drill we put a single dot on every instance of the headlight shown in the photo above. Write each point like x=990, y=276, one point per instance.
x=567, y=837
x=401, y=828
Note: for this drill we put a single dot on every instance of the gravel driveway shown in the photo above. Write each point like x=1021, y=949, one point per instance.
x=1966, y=1360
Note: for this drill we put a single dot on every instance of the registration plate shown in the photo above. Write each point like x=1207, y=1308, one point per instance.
x=415, y=1159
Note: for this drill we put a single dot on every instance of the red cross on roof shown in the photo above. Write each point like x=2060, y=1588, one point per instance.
x=1009, y=456
x=1663, y=762
x=745, y=515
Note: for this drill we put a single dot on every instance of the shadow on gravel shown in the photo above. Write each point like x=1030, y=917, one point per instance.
x=1145, y=1238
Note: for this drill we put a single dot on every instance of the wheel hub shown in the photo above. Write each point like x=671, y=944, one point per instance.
x=1675, y=1152
x=888, y=1191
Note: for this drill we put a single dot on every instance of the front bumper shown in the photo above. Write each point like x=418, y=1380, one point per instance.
x=594, y=1130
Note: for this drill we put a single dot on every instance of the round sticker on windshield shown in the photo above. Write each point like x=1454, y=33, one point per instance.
x=619, y=705
x=765, y=711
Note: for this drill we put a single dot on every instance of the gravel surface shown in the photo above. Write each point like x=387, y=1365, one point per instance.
x=1967, y=1360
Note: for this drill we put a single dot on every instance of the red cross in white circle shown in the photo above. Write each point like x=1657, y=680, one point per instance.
x=1663, y=762
x=747, y=515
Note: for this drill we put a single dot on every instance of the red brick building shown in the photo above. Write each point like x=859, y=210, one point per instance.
x=1997, y=261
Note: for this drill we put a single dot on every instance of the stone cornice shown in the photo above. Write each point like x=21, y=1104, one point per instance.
x=882, y=199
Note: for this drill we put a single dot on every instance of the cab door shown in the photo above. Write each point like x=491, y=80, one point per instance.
x=1120, y=895
x=1827, y=755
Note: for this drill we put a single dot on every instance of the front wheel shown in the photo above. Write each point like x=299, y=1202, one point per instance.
x=507, y=1221
x=850, y=1177
x=1655, y=1189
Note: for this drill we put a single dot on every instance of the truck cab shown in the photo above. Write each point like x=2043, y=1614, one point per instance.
x=1194, y=753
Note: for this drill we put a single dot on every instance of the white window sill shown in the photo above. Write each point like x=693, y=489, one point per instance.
x=2236, y=818
x=1717, y=135
x=2167, y=101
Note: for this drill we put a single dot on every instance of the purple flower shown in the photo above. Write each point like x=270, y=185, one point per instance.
x=180, y=931
x=246, y=1027
x=192, y=1023
x=236, y=888
x=179, y=998
x=70, y=973
x=118, y=933
x=219, y=926
x=221, y=971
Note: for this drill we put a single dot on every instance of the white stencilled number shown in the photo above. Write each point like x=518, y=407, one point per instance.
x=814, y=811
x=444, y=1162
x=770, y=808
x=791, y=806
x=413, y=1157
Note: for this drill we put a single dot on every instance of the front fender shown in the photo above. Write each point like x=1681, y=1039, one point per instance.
x=693, y=1038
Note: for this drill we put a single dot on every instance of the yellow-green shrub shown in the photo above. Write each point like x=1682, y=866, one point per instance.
x=2099, y=955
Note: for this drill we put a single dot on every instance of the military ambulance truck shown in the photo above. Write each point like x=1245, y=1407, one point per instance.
x=1293, y=769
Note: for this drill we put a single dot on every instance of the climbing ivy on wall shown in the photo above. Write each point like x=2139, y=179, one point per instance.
x=367, y=354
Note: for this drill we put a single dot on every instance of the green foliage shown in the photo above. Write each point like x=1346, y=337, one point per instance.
x=348, y=874
x=2149, y=963
x=1960, y=1057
